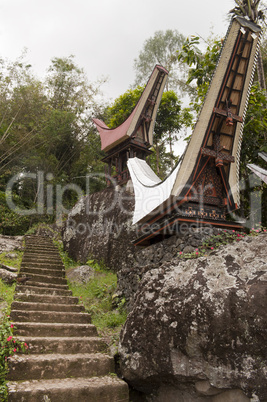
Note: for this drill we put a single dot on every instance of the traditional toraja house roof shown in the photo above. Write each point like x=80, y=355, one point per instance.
x=134, y=136
x=204, y=186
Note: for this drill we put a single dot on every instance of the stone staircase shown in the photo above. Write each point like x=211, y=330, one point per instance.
x=66, y=359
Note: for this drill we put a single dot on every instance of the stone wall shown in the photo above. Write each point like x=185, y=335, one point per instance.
x=145, y=259
x=100, y=227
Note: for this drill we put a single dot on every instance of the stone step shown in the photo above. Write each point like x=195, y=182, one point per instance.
x=41, y=260
x=43, y=298
x=43, y=279
x=53, y=254
x=48, y=285
x=73, y=344
x=33, y=306
x=67, y=361
x=42, y=289
x=48, y=366
x=50, y=317
x=42, y=249
x=95, y=389
x=42, y=271
x=47, y=265
x=42, y=329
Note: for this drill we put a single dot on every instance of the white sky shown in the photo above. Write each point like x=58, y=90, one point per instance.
x=104, y=35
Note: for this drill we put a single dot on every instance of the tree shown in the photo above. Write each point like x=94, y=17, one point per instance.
x=251, y=9
x=161, y=49
x=201, y=66
x=46, y=127
x=122, y=107
x=170, y=120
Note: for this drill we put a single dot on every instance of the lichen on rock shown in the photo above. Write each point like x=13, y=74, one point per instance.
x=201, y=320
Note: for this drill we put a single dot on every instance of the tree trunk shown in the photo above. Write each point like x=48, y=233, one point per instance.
x=171, y=152
x=157, y=157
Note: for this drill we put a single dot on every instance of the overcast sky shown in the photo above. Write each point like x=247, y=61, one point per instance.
x=104, y=35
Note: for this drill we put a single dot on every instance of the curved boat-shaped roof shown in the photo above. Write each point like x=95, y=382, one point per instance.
x=230, y=86
x=146, y=109
x=150, y=191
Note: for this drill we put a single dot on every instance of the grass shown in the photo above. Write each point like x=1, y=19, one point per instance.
x=13, y=262
x=7, y=291
x=99, y=298
x=6, y=294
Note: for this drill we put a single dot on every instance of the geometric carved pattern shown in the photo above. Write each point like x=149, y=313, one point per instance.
x=205, y=212
x=208, y=188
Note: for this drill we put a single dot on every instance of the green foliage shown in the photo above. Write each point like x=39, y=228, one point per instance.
x=6, y=291
x=255, y=127
x=214, y=242
x=202, y=65
x=14, y=262
x=46, y=126
x=122, y=107
x=67, y=261
x=10, y=222
x=98, y=297
x=8, y=347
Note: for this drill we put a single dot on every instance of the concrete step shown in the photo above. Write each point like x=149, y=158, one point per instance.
x=43, y=329
x=27, y=270
x=96, y=389
x=43, y=279
x=49, y=317
x=42, y=289
x=43, y=298
x=33, y=306
x=73, y=344
x=40, y=367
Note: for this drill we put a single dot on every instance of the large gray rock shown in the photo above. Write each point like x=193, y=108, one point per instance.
x=100, y=227
x=150, y=257
x=82, y=274
x=197, y=330
x=10, y=243
x=7, y=275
